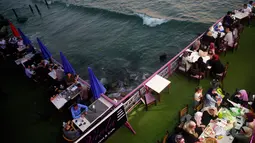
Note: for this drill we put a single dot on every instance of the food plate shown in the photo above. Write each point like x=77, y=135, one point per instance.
x=209, y=132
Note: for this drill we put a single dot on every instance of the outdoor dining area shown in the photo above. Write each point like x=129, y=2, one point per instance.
x=69, y=94
x=228, y=119
x=203, y=58
x=216, y=116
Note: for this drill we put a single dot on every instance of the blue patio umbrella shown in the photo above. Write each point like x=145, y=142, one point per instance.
x=66, y=65
x=45, y=52
x=26, y=41
x=96, y=86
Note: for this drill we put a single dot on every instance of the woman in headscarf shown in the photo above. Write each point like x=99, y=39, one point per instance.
x=189, y=133
x=243, y=97
x=208, y=115
x=198, y=120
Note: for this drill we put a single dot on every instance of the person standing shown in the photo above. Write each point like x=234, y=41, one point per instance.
x=84, y=96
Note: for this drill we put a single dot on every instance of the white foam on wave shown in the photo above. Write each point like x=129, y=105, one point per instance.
x=151, y=21
x=150, y=18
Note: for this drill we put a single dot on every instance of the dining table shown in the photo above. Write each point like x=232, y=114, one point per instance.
x=227, y=120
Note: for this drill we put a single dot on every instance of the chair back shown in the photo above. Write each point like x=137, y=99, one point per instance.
x=226, y=69
x=67, y=139
x=183, y=112
x=182, y=66
x=199, y=107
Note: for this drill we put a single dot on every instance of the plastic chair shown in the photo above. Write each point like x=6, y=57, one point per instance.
x=68, y=140
x=183, y=114
x=150, y=99
x=199, y=107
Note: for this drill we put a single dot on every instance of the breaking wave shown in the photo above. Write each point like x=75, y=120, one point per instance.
x=148, y=19
x=151, y=21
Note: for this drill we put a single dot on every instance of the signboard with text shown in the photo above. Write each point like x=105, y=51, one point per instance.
x=105, y=128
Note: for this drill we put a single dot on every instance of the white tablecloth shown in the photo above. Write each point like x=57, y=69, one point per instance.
x=82, y=123
x=215, y=34
x=24, y=59
x=227, y=127
x=59, y=102
x=240, y=15
x=194, y=57
x=52, y=74
x=158, y=83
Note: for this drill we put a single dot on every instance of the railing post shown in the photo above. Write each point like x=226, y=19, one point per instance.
x=169, y=70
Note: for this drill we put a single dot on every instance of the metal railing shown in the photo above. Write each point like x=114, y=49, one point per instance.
x=133, y=98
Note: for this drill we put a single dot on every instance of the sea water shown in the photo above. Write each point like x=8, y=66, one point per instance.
x=121, y=40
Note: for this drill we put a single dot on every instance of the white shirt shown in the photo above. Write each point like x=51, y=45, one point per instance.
x=229, y=39
x=3, y=44
x=198, y=96
x=187, y=60
x=247, y=10
x=235, y=33
x=29, y=72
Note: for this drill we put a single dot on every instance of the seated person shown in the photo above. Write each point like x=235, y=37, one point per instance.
x=189, y=133
x=208, y=38
x=186, y=60
x=3, y=45
x=43, y=63
x=76, y=110
x=229, y=39
x=58, y=73
x=219, y=27
x=203, y=52
x=235, y=31
x=12, y=43
x=176, y=139
x=251, y=4
x=69, y=79
x=216, y=66
x=84, y=95
x=242, y=136
x=250, y=120
x=20, y=43
x=70, y=132
x=209, y=114
x=29, y=72
x=212, y=49
x=201, y=64
x=196, y=45
x=212, y=98
x=198, y=95
x=246, y=9
x=228, y=20
x=242, y=98
x=198, y=120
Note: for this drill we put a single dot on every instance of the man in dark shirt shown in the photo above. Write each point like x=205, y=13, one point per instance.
x=228, y=20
